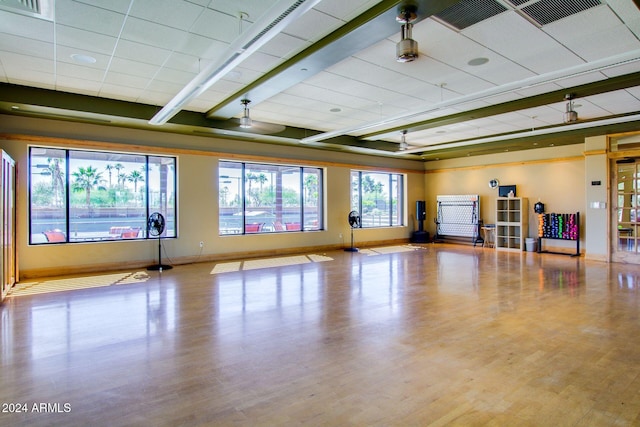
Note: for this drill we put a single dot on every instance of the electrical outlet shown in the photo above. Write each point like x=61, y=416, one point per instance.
x=202, y=244
x=340, y=236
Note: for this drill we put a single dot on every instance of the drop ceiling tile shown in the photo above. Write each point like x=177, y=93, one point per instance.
x=138, y=52
x=176, y=14
x=120, y=6
x=121, y=93
x=313, y=25
x=174, y=76
x=255, y=8
x=84, y=41
x=260, y=61
x=284, y=45
x=29, y=47
x=512, y=36
x=25, y=27
x=218, y=26
x=620, y=70
x=538, y=89
x=634, y=91
x=134, y=68
x=202, y=47
x=163, y=87
x=343, y=10
x=126, y=80
x=33, y=78
x=69, y=83
x=438, y=41
x=593, y=34
x=15, y=64
x=580, y=79
x=152, y=34
x=185, y=63
x=63, y=55
x=88, y=18
x=79, y=72
x=617, y=102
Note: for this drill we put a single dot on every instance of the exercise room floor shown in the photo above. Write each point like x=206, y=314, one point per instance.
x=436, y=335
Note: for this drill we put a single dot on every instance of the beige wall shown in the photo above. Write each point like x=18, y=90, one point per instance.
x=555, y=176
x=197, y=198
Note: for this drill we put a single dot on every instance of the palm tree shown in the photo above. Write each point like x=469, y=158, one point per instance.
x=118, y=167
x=109, y=169
x=57, y=181
x=86, y=179
x=135, y=177
x=311, y=187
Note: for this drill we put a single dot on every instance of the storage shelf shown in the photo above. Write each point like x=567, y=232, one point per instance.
x=511, y=223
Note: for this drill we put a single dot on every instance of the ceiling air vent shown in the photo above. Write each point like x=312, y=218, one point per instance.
x=36, y=8
x=468, y=12
x=547, y=11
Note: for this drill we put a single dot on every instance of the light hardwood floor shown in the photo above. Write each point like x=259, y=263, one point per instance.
x=445, y=335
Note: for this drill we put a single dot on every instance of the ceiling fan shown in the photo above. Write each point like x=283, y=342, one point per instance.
x=247, y=124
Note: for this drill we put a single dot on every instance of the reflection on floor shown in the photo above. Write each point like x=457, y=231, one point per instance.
x=70, y=284
x=255, y=264
x=390, y=250
x=450, y=335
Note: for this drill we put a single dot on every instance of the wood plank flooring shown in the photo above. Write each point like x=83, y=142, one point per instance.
x=445, y=335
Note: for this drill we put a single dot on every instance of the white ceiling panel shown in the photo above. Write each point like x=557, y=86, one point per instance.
x=137, y=52
x=218, y=26
x=618, y=102
x=30, y=47
x=513, y=37
x=172, y=13
x=313, y=25
x=120, y=6
x=85, y=41
x=25, y=27
x=151, y=34
x=344, y=10
x=593, y=34
x=284, y=45
x=89, y=18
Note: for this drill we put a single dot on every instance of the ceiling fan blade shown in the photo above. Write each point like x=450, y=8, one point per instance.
x=259, y=127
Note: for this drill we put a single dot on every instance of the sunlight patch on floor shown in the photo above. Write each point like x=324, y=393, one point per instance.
x=255, y=264
x=390, y=250
x=70, y=284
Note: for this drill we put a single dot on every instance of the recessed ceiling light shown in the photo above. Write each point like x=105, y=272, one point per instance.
x=83, y=59
x=335, y=110
x=478, y=61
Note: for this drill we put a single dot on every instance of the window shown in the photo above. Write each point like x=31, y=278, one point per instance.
x=378, y=198
x=80, y=196
x=261, y=198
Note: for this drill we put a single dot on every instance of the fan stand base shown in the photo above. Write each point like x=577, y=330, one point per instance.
x=159, y=267
x=351, y=250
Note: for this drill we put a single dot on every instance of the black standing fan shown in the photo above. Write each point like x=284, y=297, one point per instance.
x=354, y=222
x=155, y=228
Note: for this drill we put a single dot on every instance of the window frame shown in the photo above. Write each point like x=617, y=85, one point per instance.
x=63, y=236
x=275, y=218
x=356, y=194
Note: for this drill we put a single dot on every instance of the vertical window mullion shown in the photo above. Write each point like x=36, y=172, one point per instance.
x=390, y=200
x=302, y=200
x=243, y=178
x=67, y=195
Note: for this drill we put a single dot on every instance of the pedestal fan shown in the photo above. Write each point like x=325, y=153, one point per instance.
x=354, y=222
x=155, y=228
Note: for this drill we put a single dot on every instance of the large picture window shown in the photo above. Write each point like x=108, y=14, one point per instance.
x=262, y=198
x=378, y=197
x=81, y=196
